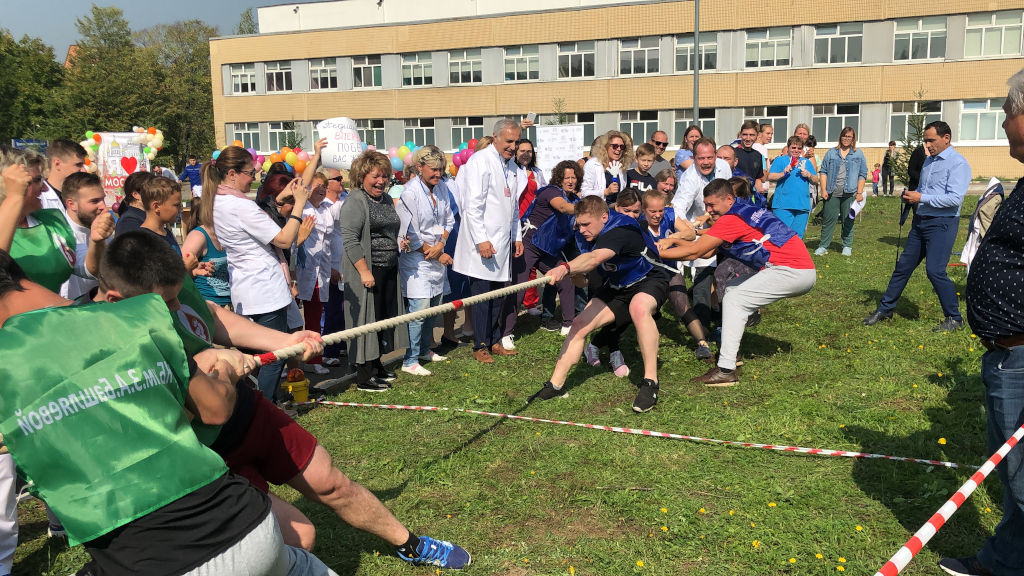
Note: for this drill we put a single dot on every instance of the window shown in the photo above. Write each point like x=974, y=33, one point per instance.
x=248, y=133
x=830, y=119
x=838, y=43
x=243, y=78
x=684, y=119
x=639, y=56
x=465, y=129
x=777, y=116
x=994, y=34
x=522, y=63
x=366, y=71
x=708, y=52
x=371, y=132
x=981, y=120
x=576, y=60
x=323, y=74
x=920, y=38
x=465, y=67
x=531, y=132
x=282, y=134
x=768, y=48
x=638, y=124
x=902, y=112
x=420, y=131
x=279, y=76
x=417, y=69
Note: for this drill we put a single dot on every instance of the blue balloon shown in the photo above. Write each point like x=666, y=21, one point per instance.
x=396, y=163
x=364, y=145
x=215, y=154
x=291, y=170
x=410, y=144
x=463, y=146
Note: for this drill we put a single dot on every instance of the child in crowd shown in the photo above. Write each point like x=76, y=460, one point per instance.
x=876, y=174
x=161, y=199
x=638, y=177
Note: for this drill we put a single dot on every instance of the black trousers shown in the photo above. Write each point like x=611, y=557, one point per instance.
x=385, y=304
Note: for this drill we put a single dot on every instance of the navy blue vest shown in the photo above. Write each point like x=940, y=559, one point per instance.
x=753, y=253
x=550, y=237
x=620, y=271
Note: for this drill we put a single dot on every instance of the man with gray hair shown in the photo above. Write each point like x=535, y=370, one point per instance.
x=490, y=234
x=996, y=313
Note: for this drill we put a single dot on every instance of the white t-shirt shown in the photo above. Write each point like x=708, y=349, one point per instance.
x=258, y=284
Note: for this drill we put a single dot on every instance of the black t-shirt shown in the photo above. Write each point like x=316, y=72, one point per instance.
x=627, y=243
x=750, y=162
x=234, y=430
x=995, y=302
x=168, y=237
x=640, y=182
x=542, y=209
x=132, y=219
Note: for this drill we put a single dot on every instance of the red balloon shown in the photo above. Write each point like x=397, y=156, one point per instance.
x=472, y=144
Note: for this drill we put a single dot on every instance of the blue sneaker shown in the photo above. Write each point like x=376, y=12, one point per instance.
x=438, y=553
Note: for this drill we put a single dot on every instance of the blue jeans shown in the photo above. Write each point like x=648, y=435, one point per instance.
x=1002, y=371
x=421, y=332
x=795, y=219
x=930, y=239
x=270, y=374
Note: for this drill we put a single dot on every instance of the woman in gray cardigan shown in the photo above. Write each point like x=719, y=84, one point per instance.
x=369, y=231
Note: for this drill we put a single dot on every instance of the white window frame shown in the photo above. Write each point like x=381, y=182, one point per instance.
x=277, y=134
x=995, y=27
x=913, y=34
x=767, y=46
x=640, y=56
x=279, y=76
x=522, y=61
x=684, y=52
x=639, y=122
x=466, y=128
x=850, y=35
x=902, y=111
x=835, y=116
x=777, y=116
x=417, y=66
x=243, y=76
x=993, y=109
x=371, y=131
x=462, y=62
x=683, y=119
x=579, y=55
x=420, y=131
x=248, y=133
x=363, y=66
x=323, y=71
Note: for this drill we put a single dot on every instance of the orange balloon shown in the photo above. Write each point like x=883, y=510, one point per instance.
x=285, y=151
x=237, y=143
x=275, y=158
x=152, y=130
x=97, y=138
x=299, y=166
x=87, y=161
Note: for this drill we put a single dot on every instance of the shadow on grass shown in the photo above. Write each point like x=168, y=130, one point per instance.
x=913, y=492
x=905, y=307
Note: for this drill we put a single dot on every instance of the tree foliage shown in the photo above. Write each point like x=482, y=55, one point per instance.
x=912, y=138
x=247, y=23
x=29, y=78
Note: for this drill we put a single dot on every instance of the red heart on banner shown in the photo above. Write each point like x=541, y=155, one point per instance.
x=129, y=164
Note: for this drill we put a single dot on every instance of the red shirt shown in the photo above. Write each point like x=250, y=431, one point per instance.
x=792, y=254
x=529, y=193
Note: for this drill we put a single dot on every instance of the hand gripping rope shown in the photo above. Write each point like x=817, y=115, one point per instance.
x=352, y=333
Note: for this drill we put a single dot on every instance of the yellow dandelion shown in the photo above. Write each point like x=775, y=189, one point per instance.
x=974, y=335
x=532, y=472
x=756, y=543
x=664, y=510
x=842, y=560
x=915, y=385
x=920, y=346
x=526, y=560
x=751, y=524
x=942, y=441
x=987, y=510
x=792, y=560
x=538, y=433
x=940, y=374
x=448, y=515
x=840, y=569
x=702, y=511
x=572, y=571
x=731, y=512
x=842, y=425
x=771, y=504
x=664, y=528
x=818, y=556
x=859, y=528
x=970, y=349
x=640, y=563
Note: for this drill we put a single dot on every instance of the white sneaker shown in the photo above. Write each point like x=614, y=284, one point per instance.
x=416, y=370
x=565, y=330
x=507, y=342
x=432, y=357
x=331, y=362
x=619, y=367
x=592, y=354
x=317, y=369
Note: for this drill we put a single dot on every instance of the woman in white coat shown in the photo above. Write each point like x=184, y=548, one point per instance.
x=314, y=262
x=428, y=219
x=490, y=234
x=605, y=172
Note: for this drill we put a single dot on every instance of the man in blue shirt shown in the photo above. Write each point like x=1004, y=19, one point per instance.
x=192, y=173
x=944, y=180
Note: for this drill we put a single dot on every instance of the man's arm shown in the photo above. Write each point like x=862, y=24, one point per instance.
x=211, y=390
x=581, y=264
x=703, y=247
x=231, y=329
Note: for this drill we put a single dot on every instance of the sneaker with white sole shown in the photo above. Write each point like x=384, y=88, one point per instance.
x=646, y=396
x=438, y=553
x=317, y=369
x=416, y=370
x=564, y=331
x=507, y=342
x=432, y=357
x=331, y=362
x=592, y=354
x=618, y=363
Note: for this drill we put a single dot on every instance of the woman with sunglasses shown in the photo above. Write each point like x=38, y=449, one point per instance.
x=605, y=171
x=253, y=242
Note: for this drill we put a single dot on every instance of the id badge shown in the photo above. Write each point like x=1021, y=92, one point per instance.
x=508, y=193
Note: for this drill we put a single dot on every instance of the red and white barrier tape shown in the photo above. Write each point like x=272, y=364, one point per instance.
x=642, y=432
x=905, y=554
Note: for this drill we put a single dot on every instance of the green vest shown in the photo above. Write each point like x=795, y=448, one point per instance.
x=99, y=428
x=46, y=252
x=195, y=325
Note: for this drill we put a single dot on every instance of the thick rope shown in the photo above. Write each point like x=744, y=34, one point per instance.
x=353, y=333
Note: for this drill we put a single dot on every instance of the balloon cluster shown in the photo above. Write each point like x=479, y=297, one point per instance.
x=459, y=158
x=401, y=156
x=150, y=139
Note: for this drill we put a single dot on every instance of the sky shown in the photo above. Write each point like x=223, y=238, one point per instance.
x=54, y=20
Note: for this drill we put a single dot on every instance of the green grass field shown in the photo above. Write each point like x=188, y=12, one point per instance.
x=530, y=498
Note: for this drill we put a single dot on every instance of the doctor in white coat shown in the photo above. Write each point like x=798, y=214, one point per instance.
x=490, y=234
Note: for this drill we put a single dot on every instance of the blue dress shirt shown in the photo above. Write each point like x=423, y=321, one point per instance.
x=944, y=181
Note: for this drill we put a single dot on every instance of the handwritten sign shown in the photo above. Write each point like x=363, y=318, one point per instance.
x=557, y=143
x=343, y=144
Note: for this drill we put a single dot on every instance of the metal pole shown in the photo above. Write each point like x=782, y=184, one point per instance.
x=696, y=62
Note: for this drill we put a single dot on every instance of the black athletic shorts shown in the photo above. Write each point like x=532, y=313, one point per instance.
x=617, y=299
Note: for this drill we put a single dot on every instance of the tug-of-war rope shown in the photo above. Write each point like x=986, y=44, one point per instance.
x=895, y=564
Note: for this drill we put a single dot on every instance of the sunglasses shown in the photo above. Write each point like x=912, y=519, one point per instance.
x=338, y=179
x=249, y=173
x=616, y=146
x=659, y=144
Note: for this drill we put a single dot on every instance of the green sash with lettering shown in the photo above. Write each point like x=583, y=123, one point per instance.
x=99, y=425
x=195, y=325
x=46, y=251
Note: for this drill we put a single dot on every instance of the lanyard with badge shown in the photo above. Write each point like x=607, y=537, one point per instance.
x=508, y=187
x=437, y=229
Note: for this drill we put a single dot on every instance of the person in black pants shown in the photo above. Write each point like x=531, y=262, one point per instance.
x=888, y=177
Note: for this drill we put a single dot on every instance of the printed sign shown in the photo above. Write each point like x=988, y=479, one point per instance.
x=119, y=155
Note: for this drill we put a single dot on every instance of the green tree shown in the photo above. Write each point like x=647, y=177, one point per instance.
x=29, y=81
x=247, y=23
x=912, y=138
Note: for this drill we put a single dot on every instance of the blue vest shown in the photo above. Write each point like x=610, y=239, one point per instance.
x=453, y=236
x=753, y=253
x=550, y=237
x=620, y=271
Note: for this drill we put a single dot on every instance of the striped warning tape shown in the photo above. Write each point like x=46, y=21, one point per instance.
x=905, y=554
x=643, y=432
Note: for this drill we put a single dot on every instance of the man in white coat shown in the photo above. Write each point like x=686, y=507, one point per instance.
x=490, y=234
x=688, y=203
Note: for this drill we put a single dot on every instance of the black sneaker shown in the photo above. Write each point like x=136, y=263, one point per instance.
x=373, y=385
x=703, y=352
x=387, y=375
x=551, y=325
x=964, y=567
x=950, y=324
x=548, y=392
x=754, y=319
x=646, y=397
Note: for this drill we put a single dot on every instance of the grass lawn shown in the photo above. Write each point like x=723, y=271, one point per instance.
x=530, y=498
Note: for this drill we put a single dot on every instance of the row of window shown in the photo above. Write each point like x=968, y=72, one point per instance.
x=980, y=120
x=987, y=34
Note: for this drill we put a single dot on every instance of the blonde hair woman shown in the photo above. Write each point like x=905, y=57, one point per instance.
x=604, y=172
